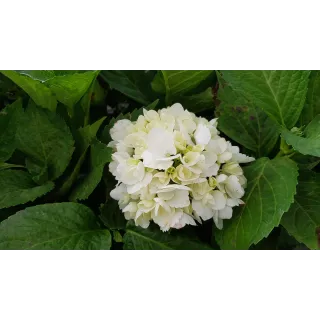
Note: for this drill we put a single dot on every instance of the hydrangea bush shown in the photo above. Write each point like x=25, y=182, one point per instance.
x=159, y=159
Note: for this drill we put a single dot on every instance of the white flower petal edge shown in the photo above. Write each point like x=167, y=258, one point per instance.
x=174, y=169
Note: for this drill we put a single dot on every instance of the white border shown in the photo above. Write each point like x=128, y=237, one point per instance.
x=156, y=285
x=167, y=34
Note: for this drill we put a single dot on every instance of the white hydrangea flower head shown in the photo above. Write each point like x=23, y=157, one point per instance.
x=173, y=168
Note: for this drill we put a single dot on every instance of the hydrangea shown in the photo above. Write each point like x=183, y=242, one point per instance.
x=173, y=168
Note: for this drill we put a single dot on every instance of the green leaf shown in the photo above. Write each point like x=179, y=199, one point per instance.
x=197, y=102
x=134, y=84
x=117, y=237
x=99, y=94
x=38, y=92
x=245, y=124
x=84, y=137
x=54, y=226
x=305, y=162
x=4, y=166
x=270, y=192
x=180, y=82
x=44, y=75
x=17, y=187
x=46, y=140
x=40, y=75
x=310, y=143
x=312, y=105
x=9, y=118
x=70, y=88
x=100, y=156
x=152, y=238
x=85, y=101
x=112, y=216
x=303, y=217
x=158, y=84
x=281, y=94
x=88, y=134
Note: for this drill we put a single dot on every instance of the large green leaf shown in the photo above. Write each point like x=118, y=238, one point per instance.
x=270, y=192
x=134, y=84
x=100, y=156
x=303, y=217
x=44, y=75
x=40, y=75
x=39, y=93
x=197, y=102
x=281, y=94
x=54, y=226
x=312, y=105
x=9, y=119
x=70, y=88
x=17, y=187
x=309, y=144
x=245, y=124
x=84, y=138
x=152, y=238
x=180, y=82
x=46, y=140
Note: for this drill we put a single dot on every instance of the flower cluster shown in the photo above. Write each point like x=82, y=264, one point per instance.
x=173, y=168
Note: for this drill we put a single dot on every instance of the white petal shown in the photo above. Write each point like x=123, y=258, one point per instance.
x=210, y=157
x=152, y=161
x=134, y=188
x=131, y=207
x=180, y=199
x=172, y=187
x=202, y=211
x=151, y=115
x=233, y=187
x=220, y=200
x=221, y=178
x=184, y=220
x=147, y=179
x=113, y=168
x=242, y=158
x=191, y=158
x=233, y=202
x=120, y=129
x=120, y=156
x=176, y=109
x=169, y=158
x=218, y=222
x=118, y=192
x=202, y=134
x=225, y=213
x=166, y=219
x=161, y=142
x=211, y=171
x=139, y=185
x=243, y=181
x=214, y=122
x=224, y=157
x=218, y=145
x=143, y=220
x=130, y=210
